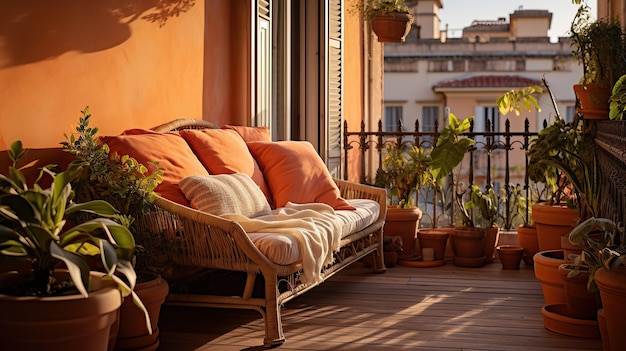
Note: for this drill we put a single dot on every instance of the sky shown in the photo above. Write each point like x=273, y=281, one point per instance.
x=460, y=13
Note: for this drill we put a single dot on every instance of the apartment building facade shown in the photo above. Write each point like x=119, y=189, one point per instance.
x=432, y=75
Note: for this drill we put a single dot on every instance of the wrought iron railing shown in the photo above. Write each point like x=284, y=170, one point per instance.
x=611, y=153
x=498, y=160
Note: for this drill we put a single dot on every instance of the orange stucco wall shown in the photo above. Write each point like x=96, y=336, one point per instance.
x=133, y=63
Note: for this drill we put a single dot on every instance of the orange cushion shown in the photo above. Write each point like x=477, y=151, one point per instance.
x=171, y=151
x=223, y=151
x=296, y=173
x=250, y=134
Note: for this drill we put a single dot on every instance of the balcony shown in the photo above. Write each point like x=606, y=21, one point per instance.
x=442, y=308
x=446, y=307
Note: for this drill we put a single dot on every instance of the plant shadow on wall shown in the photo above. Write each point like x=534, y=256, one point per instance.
x=37, y=30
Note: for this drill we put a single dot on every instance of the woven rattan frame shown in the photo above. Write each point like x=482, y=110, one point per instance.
x=203, y=240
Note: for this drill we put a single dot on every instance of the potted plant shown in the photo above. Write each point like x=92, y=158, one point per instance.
x=404, y=169
x=35, y=226
x=121, y=180
x=471, y=247
x=562, y=158
x=604, y=259
x=390, y=19
x=599, y=47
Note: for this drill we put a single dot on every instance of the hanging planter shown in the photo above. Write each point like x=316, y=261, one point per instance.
x=593, y=99
x=392, y=27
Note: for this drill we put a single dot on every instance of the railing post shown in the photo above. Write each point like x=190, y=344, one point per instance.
x=507, y=172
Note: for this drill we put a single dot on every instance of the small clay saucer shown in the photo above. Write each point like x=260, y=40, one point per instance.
x=420, y=263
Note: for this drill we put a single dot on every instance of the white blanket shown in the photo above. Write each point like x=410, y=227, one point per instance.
x=314, y=225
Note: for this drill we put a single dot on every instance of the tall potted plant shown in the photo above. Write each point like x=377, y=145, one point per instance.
x=35, y=226
x=405, y=168
x=121, y=180
x=390, y=19
x=599, y=47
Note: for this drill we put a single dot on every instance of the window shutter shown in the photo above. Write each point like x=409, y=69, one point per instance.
x=335, y=86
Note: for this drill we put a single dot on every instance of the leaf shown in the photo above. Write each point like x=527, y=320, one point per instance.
x=76, y=266
x=99, y=207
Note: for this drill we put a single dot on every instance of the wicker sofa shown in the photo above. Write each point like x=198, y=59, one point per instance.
x=217, y=244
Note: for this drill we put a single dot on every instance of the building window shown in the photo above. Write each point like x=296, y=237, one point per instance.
x=486, y=119
x=430, y=114
x=393, y=116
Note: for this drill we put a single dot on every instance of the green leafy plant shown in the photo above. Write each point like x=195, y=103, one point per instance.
x=34, y=225
x=118, y=179
x=561, y=157
x=603, y=246
x=598, y=46
x=516, y=100
x=405, y=168
x=617, y=103
x=371, y=8
x=516, y=206
x=485, y=204
x=450, y=148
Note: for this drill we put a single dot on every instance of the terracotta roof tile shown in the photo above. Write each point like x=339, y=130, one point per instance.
x=488, y=82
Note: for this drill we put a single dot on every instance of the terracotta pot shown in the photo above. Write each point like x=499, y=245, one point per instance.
x=580, y=302
x=63, y=323
x=404, y=222
x=491, y=240
x=594, y=100
x=132, y=334
x=604, y=333
x=469, y=242
x=510, y=256
x=552, y=223
x=527, y=237
x=612, y=285
x=393, y=27
x=569, y=250
x=555, y=318
x=435, y=239
x=547, y=272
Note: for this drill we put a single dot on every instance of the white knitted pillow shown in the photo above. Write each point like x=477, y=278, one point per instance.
x=225, y=193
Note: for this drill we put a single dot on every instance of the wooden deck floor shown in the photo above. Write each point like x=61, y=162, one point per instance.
x=407, y=308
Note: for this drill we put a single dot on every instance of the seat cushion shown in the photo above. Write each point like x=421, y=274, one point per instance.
x=225, y=193
x=283, y=248
x=296, y=173
x=366, y=212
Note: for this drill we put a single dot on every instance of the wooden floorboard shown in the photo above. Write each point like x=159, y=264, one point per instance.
x=407, y=308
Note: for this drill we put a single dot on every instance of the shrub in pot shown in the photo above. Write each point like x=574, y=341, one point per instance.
x=35, y=226
x=123, y=181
